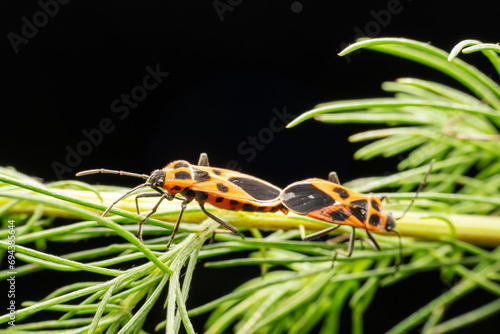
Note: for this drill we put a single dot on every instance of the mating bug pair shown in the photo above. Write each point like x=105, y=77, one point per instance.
x=230, y=190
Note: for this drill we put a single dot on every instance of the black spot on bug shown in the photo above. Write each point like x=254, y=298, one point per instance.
x=305, y=197
x=222, y=187
x=219, y=199
x=374, y=220
x=176, y=188
x=358, y=209
x=358, y=213
x=360, y=203
x=201, y=175
x=248, y=207
x=375, y=205
x=234, y=202
x=339, y=215
x=188, y=193
x=201, y=196
x=256, y=188
x=216, y=171
x=342, y=192
x=182, y=176
x=180, y=165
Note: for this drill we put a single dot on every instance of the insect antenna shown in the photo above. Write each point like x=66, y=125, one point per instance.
x=118, y=172
x=400, y=249
x=110, y=171
x=420, y=187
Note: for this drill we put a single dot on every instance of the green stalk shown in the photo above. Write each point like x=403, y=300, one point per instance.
x=431, y=56
x=456, y=292
x=468, y=318
x=390, y=103
x=61, y=264
x=91, y=216
x=102, y=305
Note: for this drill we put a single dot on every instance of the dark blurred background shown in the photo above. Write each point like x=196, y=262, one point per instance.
x=226, y=70
x=134, y=85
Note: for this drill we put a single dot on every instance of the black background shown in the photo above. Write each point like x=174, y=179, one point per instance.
x=229, y=68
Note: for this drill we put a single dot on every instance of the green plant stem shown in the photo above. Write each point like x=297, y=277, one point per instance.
x=181, y=307
x=470, y=45
x=243, y=292
x=89, y=216
x=83, y=198
x=474, y=229
x=146, y=307
x=459, y=290
x=468, y=318
x=390, y=103
x=433, y=57
x=102, y=305
x=62, y=264
x=181, y=299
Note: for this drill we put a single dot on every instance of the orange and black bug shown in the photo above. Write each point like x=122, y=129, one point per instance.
x=222, y=188
x=330, y=202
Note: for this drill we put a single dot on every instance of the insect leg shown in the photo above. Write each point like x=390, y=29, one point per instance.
x=338, y=239
x=123, y=196
x=400, y=261
x=203, y=161
x=158, y=194
x=317, y=234
x=218, y=220
x=352, y=238
x=333, y=177
x=176, y=228
x=375, y=243
x=368, y=241
x=162, y=196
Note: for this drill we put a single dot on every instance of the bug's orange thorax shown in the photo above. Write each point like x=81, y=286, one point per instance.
x=178, y=176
